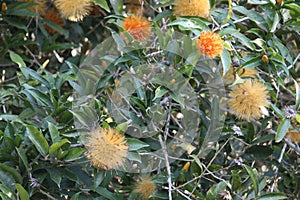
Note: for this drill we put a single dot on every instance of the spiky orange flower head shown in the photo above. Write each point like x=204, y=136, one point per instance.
x=199, y=8
x=106, y=148
x=145, y=187
x=40, y=7
x=138, y=27
x=293, y=137
x=248, y=99
x=209, y=44
x=52, y=15
x=74, y=10
x=247, y=72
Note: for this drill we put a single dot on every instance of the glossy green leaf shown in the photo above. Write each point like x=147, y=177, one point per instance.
x=8, y=191
x=102, y=4
x=275, y=22
x=23, y=157
x=214, y=192
x=226, y=61
x=13, y=172
x=253, y=177
x=135, y=144
x=254, y=62
x=54, y=147
x=272, y=196
x=17, y=59
x=22, y=192
x=38, y=139
x=54, y=134
x=74, y=154
x=282, y=129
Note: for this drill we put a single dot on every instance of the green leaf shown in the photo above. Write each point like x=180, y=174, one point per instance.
x=22, y=155
x=122, y=128
x=272, y=196
x=244, y=40
x=22, y=192
x=55, y=175
x=105, y=193
x=38, y=139
x=74, y=154
x=54, y=134
x=282, y=129
x=55, y=27
x=117, y=6
x=253, y=177
x=17, y=59
x=36, y=76
x=254, y=62
x=8, y=117
x=135, y=144
x=16, y=23
x=214, y=192
x=259, y=151
x=236, y=180
x=277, y=111
x=253, y=16
x=133, y=156
x=102, y=4
x=8, y=191
x=159, y=92
x=54, y=147
x=275, y=22
x=226, y=61
x=15, y=174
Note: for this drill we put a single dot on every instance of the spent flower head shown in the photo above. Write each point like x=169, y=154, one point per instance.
x=74, y=10
x=199, y=8
x=248, y=99
x=145, y=187
x=106, y=148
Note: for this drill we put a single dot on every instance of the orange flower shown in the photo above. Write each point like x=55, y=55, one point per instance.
x=209, y=44
x=74, y=10
x=53, y=16
x=198, y=8
x=40, y=7
x=139, y=28
x=248, y=99
x=145, y=188
x=106, y=148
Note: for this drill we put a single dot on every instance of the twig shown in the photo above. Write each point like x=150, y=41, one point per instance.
x=289, y=67
x=48, y=195
x=289, y=143
x=279, y=161
x=206, y=167
x=181, y=193
x=164, y=149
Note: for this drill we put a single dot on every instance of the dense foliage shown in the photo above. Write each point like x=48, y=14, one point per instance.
x=160, y=99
